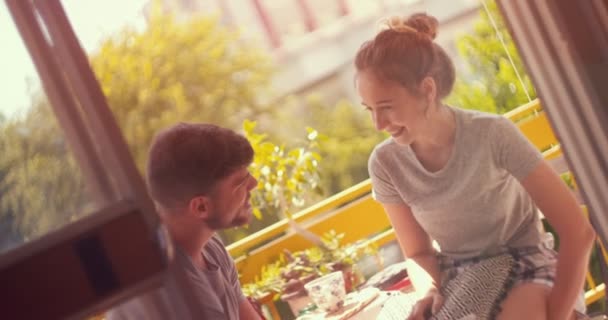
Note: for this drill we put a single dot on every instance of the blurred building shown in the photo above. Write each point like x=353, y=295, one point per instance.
x=314, y=41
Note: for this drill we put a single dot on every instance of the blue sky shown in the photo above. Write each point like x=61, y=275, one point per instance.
x=93, y=20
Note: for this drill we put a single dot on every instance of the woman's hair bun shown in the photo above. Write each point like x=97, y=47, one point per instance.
x=416, y=23
x=423, y=23
x=396, y=23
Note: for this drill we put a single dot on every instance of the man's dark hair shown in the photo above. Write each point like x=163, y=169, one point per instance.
x=188, y=159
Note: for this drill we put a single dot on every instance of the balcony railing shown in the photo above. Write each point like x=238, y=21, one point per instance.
x=351, y=211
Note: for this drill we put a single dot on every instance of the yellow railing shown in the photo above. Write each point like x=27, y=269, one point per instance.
x=354, y=213
x=347, y=212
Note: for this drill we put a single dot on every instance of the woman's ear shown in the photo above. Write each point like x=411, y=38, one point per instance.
x=428, y=88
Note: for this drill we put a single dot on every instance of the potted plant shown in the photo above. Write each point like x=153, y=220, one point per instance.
x=285, y=278
x=288, y=179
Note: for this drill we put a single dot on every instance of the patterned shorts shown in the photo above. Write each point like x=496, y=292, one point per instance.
x=534, y=264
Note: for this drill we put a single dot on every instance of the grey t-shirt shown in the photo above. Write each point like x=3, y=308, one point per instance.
x=217, y=290
x=475, y=204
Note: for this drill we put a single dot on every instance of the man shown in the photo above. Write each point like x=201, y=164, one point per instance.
x=198, y=177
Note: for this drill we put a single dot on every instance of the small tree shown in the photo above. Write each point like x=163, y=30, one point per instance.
x=346, y=147
x=348, y=138
x=489, y=82
x=41, y=185
x=288, y=178
x=194, y=71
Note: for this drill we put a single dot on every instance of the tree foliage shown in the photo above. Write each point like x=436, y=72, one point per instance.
x=41, y=184
x=287, y=177
x=349, y=137
x=180, y=71
x=197, y=71
x=193, y=71
x=489, y=82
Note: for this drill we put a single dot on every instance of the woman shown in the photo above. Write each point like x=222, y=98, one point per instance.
x=468, y=180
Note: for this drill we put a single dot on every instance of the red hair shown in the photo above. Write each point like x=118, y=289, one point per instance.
x=405, y=53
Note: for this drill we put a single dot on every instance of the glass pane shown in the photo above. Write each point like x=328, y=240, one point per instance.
x=287, y=18
x=157, y=70
x=105, y=30
x=41, y=186
x=325, y=12
x=95, y=21
x=364, y=7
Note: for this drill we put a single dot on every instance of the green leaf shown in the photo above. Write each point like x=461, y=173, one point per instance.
x=257, y=213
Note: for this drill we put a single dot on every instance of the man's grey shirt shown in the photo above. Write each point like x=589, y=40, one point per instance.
x=215, y=293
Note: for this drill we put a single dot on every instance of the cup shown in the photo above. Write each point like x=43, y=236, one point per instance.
x=327, y=292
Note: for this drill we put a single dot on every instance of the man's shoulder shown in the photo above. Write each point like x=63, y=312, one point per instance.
x=215, y=240
x=216, y=248
x=215, y=243
x=151, y=305
x=171, y=300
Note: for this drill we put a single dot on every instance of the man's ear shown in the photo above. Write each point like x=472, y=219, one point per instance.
x=199, y=206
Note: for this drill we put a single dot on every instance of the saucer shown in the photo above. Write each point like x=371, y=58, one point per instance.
x=353, y=303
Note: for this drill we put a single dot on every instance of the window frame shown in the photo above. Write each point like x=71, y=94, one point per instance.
x=88, y=255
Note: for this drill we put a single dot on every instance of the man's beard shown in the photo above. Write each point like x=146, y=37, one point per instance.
x=216, y=223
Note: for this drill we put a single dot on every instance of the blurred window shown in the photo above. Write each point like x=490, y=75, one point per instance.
x=41, y=185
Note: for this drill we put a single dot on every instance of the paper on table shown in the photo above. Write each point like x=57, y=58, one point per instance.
x=353, y=303
x=397, y=306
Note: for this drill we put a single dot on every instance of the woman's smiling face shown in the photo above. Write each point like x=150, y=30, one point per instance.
x=394, y=108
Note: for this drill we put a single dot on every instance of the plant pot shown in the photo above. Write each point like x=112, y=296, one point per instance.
x=296, y=301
